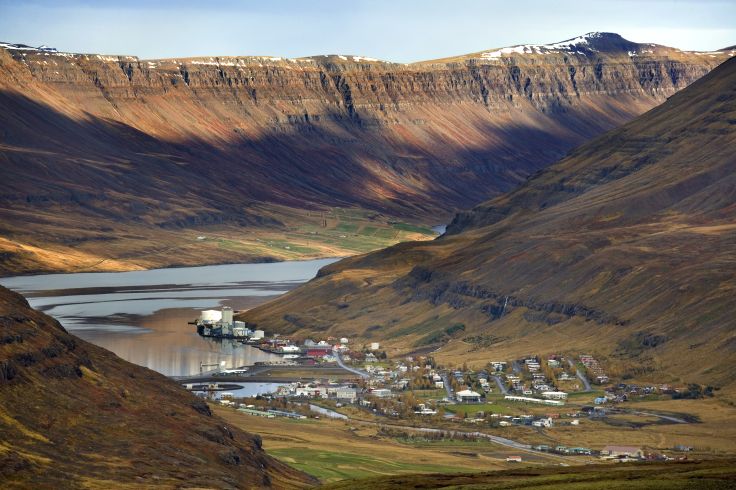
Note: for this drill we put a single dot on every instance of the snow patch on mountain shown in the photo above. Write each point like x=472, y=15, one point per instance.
x=579, y=45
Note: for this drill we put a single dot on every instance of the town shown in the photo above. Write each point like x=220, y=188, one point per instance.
x=340, y=380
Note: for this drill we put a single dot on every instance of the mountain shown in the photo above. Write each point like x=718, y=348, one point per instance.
x=626, y=248
x=74, y=415
x=113, y=162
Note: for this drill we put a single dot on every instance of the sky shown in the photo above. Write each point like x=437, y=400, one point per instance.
x=395, y=30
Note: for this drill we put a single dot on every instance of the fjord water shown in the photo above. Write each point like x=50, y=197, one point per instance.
x=142, y=315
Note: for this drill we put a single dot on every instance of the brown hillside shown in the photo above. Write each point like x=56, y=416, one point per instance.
x=113, y=162
x=626, y=248
x=73, y=415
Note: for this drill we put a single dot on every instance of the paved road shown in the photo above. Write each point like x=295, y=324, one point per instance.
x=360, y=373
x=580, y=375
x=448, y=386
x=516, y=367
x=501, y=385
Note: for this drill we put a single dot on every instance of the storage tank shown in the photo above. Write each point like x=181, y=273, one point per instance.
x=227, y=315
x=210, y=316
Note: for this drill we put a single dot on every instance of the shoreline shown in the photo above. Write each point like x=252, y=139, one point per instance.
x=267, y=260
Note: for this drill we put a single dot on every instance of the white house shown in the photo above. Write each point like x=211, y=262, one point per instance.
x=346, y=393
x=526, y=399
x=554, y=395
x=622, y=451
x=546, y=422
x=425, y=410
x=468, y=396
x=381, y=392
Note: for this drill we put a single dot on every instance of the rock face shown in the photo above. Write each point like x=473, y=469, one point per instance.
x=75, y=415
x=625, y=248
x=92, y=142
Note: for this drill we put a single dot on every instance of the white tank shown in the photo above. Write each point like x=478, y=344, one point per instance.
x=227, y=315
x=210, y=316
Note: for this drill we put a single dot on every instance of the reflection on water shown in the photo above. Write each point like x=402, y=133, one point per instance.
x=142, y=315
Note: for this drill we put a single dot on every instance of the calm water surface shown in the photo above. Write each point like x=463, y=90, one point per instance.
x=142, y=315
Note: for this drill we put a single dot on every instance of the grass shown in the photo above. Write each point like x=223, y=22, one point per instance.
x=470, y=409
x=331, y=466
x=650, y=476
x=415, y=229
x=304, y=235
x=333, y=450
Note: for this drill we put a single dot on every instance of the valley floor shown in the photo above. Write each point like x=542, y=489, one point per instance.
x=303, y=235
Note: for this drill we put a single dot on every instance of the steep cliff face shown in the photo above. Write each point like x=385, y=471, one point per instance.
x=181, y=143
x=624, y=248
x=74, y=415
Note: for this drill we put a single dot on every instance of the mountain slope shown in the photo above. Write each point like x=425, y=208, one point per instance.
x=112, y=161
x=626, y=248
x=74, y=415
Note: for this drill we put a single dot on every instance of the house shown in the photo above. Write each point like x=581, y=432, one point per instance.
x=425, y=410
x=319, y=351
x=546, y=422
x=554, y=395
x=622, y=452
x=468, y=396
x=439, y=385
x=498, y=365
x=513, y=459
x=371, y=357
x=309, y=391
x=526, y=399
x=381, y=392
x=580, y=451
x=346, y=393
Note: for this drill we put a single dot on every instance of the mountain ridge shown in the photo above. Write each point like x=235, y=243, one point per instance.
x=107, y=156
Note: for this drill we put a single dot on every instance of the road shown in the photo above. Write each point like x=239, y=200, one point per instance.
x=580, y=375
x=360, y=373
x=448, y=386
x=501, y=385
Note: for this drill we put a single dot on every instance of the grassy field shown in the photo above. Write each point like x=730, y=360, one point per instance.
x=334, y=466
x=470, y=409
x=335, y=450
